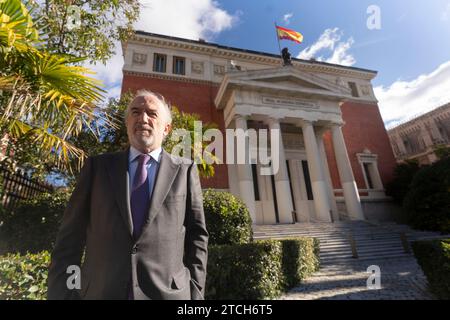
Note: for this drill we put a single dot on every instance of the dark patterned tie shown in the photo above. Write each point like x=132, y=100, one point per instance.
x=140, y=195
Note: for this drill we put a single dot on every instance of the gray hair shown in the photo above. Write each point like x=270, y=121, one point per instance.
x=160, y=98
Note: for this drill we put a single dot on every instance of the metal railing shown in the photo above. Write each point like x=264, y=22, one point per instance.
x=17, y=186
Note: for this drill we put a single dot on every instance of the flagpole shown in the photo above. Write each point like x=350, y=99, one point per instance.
x=278, y=39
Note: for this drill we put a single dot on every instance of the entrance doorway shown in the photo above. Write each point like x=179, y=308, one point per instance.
x=301, y=191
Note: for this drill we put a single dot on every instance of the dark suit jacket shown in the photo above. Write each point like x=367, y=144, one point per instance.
x=168, y=261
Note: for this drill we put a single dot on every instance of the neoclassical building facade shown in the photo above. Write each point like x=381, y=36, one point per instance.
x=418, y=138
x=333, y=151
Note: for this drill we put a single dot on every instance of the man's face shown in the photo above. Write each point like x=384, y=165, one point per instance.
x=147, y=123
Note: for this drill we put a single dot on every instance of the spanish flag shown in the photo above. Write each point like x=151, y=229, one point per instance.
x=288, y=34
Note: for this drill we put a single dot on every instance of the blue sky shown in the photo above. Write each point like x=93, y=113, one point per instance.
x=411, y=41
x=411, y=51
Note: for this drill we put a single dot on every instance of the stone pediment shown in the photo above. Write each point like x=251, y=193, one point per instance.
x=292, y=82
x=278, y=80
x=292, y=77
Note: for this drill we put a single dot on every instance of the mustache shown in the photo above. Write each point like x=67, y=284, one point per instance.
x=140, y=127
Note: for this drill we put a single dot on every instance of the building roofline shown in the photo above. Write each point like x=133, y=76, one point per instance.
x=421, y=115
x=218, y=46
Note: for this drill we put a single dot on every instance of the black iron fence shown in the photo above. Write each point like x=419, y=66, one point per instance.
x=17, y=186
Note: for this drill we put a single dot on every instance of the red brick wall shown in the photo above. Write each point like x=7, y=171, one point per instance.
x=190, y=98
x=363, y=128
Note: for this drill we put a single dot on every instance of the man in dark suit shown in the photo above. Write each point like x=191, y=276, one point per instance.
x=138, y=218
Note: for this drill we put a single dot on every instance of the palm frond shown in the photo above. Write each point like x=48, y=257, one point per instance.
x=44, y=97
x=50, y=145
x=16, y=25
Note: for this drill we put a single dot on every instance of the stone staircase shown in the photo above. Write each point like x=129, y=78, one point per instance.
x=347, y=241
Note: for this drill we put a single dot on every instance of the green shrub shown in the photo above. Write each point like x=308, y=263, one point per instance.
x=427, y=204
x=442, y=151
x=33, y=226
x=434, y=258
x=24, y=277
x=259, y=270
x=244, y=271
x=300, y=259
x=401, y=182
x=227, y=218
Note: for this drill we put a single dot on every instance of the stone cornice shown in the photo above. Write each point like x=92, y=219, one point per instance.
x=203, y=49
x=362, y=100
x=246, y=55
x=168, y=77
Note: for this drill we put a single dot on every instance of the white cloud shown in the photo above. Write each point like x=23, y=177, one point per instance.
x=109, y=73
x=192, y=19
x=112, y=71
x=326, y=41
x=114, y=92
x=287, y=18
x=445, y=15
x=330, y=43
x=402, y=99
x=340, y=55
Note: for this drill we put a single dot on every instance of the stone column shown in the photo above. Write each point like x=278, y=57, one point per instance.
x=426, y=137
x=435, y=130
x=400, y=144
x=318, y=182
x=283, y=190
x=351, y=195
x=244, y=171
x=326, y=170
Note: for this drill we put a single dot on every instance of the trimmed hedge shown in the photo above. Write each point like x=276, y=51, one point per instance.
x=227, y=218
x=24, y=277
x=246, y=271
x=434, y=258
x=237, y=269
x=300, y=259
x=427, y=204
x=259, y=270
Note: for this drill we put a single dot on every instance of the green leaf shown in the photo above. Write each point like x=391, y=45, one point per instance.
x=33, y=289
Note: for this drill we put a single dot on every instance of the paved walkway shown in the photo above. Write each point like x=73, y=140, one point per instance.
x=401, y=279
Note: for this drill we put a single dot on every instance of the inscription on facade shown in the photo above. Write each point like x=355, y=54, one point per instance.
x=290, y=102
x=293, y=141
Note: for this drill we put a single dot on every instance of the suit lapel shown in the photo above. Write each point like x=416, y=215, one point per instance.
x=119, y=175
x=166, y=174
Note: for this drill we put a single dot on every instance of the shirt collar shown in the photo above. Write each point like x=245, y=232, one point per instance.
x=134, y=153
